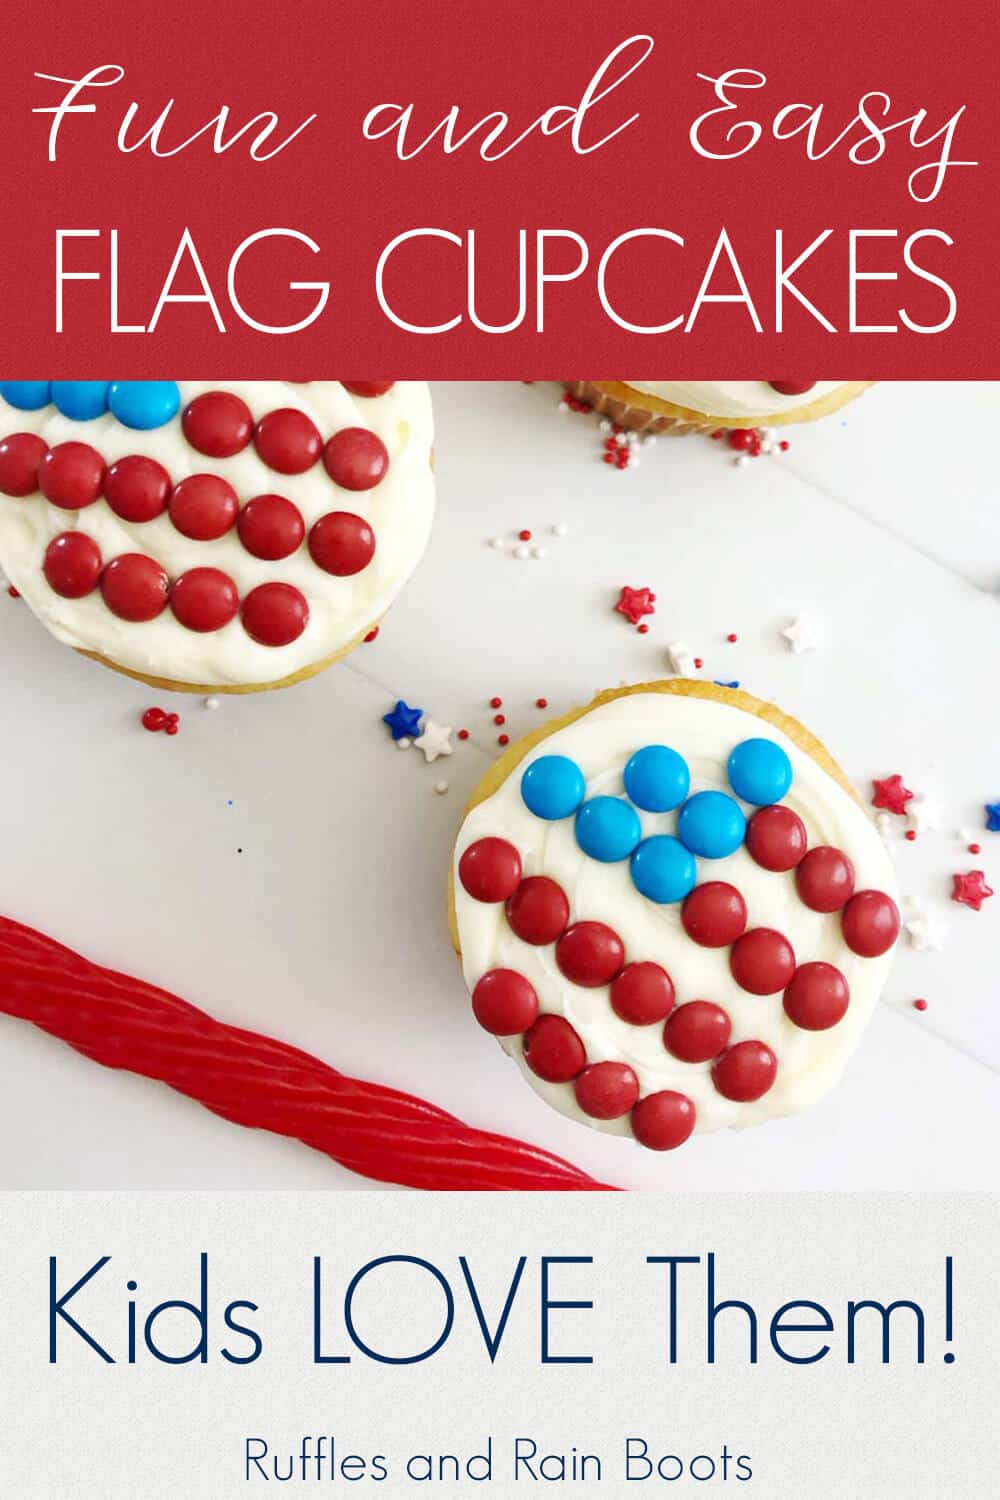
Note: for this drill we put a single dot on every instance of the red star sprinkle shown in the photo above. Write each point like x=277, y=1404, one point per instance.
x=634, y=603
x=891, y=794
x=970, y=889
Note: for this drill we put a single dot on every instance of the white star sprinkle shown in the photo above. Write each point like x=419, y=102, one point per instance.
x=805, y=633
x=924, y=813
x=925, y=931
x=681, y=659
x=435, y=740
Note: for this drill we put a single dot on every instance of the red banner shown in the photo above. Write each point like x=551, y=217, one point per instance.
x=500, y=190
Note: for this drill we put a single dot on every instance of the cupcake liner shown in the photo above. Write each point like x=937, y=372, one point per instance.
x=641, y=413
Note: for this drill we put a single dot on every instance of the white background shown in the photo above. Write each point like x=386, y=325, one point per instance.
x=329, y=929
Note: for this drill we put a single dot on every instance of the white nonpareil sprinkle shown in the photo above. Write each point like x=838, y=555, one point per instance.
x=404, y=743
x=538, y=552
x=560, y=529
x=440, y=787
x=210, y=703
x=496, y=542
x=521, y=552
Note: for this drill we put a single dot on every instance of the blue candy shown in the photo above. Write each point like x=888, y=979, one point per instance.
x=657, y=778
x=711, y=824
x=26, y=395
x=144, y=404
x=663, y=870
x=759, y=772
x=608, y=829
x=553, y=787
x=81, y=400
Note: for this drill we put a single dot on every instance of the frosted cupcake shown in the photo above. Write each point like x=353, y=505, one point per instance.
x=673, y=912
x=222, y=536
x=679, y=407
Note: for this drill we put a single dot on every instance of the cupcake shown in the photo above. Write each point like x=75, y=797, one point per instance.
x=673, y=912
x=679, y=407
x=222, y=536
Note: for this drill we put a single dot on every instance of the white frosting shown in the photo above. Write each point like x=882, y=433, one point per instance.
x=704, y=732
x=400, y=510
x=731, y=398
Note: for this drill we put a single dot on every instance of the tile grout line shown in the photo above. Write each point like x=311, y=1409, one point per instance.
x=946, y=1041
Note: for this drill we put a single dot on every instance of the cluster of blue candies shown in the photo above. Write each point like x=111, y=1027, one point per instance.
x=141, y=404
x=657, y=779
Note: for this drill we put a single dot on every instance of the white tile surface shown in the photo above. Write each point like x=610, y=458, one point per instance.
x=124, y=844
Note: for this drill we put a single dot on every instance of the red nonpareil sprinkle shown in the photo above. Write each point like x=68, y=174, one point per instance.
x=257, y=1081
x=911, y=834
x=154, y=719
x=920, y=1005
x=499, y=718
x=463, y=734
x=496, y=703
x=503, y=739
x=698, y=662
x=525, y=535
x=544, y=703
x=975, y=848
x=732, y=637
x=12, y=591
x=784, y=445
x=718, y=434
x=642, y=629
x=372, y=635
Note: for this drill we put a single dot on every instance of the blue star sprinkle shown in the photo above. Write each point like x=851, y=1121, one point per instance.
x=404, y=721
x=993, y=817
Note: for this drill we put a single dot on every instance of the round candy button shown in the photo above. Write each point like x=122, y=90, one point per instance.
x=72, y=565
x=642, y=994
x=287, y=441
x=759, y=772
x=26, y=395
x=204, y=599
x=824, y=879
x=553, y=1050
x=662, y=869
x=663, y=1121
x=870, y=923
x=341, y=543
x=21, y=455
x=776, y=838
x=791, y=387
x=657, y=779
x=553, y=787
x=490, y=870
x=590, y=954
x=71, y=475
x=538, y=911
x=762, y=961
x=218, y=424
x=203, y=507
x=356, y=459
x=697, y=1032
x=144, y=404
x=504, y=1003
x=606, y=1090
x=817, y=997
x=137, y=488
x=745, y=1072
x=608, y=829
x=711, y=824
x=714, y=914
x=135, y=587
x=81, y=400
x=271, y=527
x=274, y=614
x=368, y=387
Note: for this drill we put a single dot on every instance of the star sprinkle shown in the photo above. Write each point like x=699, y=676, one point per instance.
x=403, y=721
x=681, y=659
x=435, y=740
x=804, y=633
x=993, y=817
x=924, y=813
x=634, y=603
x=970, y=889
x=891, y=794
x=925, y=932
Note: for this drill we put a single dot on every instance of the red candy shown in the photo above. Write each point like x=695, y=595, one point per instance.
x=762, y=961
x=490, y=870
x=663, y=1121
x=745, y=1072
x=20, y=457
x=368, y=387
x=204, y=599
x=537, y=910
x=504, y=1003
x=776, y=838
x=891, y=794
x=275, y=614
x=71, y=475
x=697, y=1031
x=137, y=488
x=606, y=1090
x=817, y=997
x=791, y=387
x=356, y=459
x=553, y=1050
x=287, y=441
x=218, y=424
x=870, y=923
x=642, y=994
x=203, y=507
x=72, y=564
x=825, y=879
x=590, y=954
x=341, y=543
x=135, y=587
x=271, y=527
x=714, y=914
x=971, y=889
